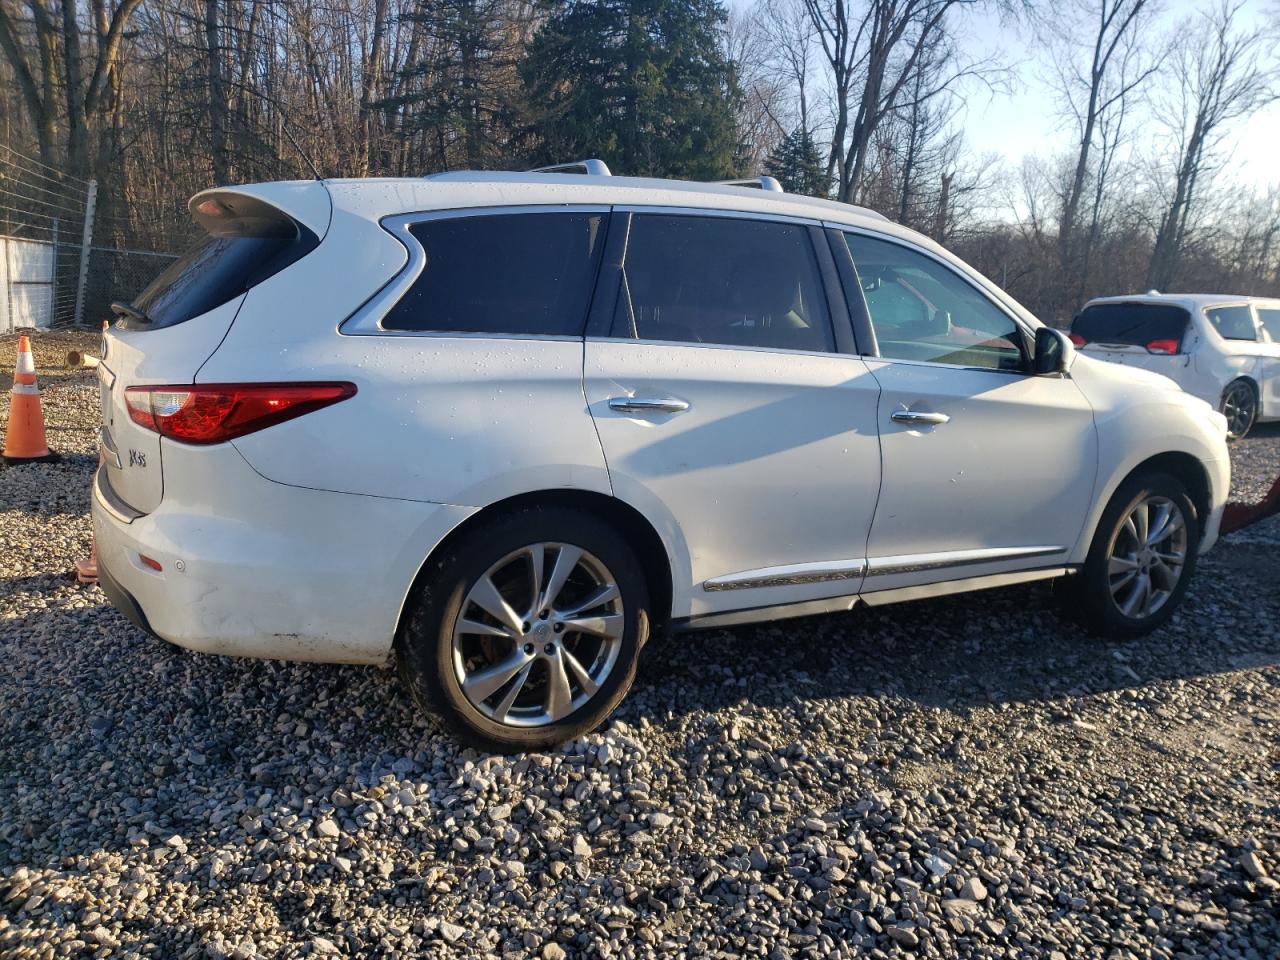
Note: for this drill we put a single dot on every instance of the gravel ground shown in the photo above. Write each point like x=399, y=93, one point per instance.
x=964, y=777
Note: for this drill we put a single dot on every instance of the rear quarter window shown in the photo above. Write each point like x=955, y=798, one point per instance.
x=1132, y=324
x=1270, y=318
x=517, y=274
x=247, y=242
x=1233, y=323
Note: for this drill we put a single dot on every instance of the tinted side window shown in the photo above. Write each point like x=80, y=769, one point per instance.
x=1136, y=324
x=1233, y=323
x=520, y=273
x=750, y=283
x=1270, y=317
x=921, y=310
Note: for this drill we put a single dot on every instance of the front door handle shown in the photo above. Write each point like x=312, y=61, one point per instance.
x=648, y=404
x=919, y=418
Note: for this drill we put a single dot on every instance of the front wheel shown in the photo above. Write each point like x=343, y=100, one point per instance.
x=1141, y=560
x=528, y=632
x=1240, y=407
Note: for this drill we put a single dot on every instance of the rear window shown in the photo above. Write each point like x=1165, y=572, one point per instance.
x=1133, y=324
x=1233, y=323
x=248, y=242
x=520, y=274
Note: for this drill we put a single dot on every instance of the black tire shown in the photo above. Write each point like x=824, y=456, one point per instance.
x=1240, y=406
x=424, y=645
x=1088, y=595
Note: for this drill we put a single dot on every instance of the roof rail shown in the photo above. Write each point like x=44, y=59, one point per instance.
x=592, y=168
x=760, y=183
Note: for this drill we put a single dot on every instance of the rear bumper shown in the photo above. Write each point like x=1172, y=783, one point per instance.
x=258, y=569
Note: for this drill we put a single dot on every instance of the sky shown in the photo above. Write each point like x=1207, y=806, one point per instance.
x=1024, y=120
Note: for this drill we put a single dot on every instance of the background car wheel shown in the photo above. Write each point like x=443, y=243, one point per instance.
x=528, y=632
x=1141, y=560
x=1240, y=407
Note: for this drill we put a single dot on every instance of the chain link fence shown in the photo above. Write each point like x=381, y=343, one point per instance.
x=63, y=259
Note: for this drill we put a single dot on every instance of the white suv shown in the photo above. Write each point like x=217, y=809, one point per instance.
x=1219, y=348
x=504, y=427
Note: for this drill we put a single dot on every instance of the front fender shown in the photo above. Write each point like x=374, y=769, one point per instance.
x=1132, y=434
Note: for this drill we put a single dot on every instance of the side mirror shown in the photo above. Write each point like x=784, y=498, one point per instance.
x=1054, y=352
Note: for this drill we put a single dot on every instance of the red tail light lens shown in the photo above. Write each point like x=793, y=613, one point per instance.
x=1078, y=340
x=217, y=412
x=1162, y=346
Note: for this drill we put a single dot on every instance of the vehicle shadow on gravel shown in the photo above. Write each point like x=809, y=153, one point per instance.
x=998, y=646
x=258, y=722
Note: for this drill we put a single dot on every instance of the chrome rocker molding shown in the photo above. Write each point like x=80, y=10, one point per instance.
x=788, y=575
x=920, y=562
x=875, y=598
x=824, y=571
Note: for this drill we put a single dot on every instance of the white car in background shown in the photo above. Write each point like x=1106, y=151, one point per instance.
x=1223, y=349
x=502, y=427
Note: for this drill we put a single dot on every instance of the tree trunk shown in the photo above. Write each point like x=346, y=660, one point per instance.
x=217, y=95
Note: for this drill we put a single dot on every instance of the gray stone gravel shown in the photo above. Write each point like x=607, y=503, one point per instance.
x=967, y=777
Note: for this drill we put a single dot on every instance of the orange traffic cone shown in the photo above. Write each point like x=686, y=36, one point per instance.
x=24, y=442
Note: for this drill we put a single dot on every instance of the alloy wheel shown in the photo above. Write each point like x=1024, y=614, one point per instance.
x=1239, y=407
x=538, y=635
x=1148, y=556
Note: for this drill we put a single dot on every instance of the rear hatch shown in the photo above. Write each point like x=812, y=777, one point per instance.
x=165, y=334
x=1152, y=336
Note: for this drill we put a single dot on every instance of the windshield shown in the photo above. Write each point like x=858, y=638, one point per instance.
x=1134, y=324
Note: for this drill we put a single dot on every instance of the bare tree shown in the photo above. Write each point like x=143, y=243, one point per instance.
x=1097, y=78
x=56, y=71
x=872, y=53
x=1222, y=74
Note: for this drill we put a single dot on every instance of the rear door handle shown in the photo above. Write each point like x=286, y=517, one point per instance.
x=919, y=417
x=648, y=404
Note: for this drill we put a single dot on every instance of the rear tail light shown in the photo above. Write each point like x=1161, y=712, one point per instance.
x=216, y=412
x=1078, y=340
x=1162, y=346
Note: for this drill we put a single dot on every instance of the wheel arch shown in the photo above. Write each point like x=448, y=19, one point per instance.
x=1179, y=464
x=627, y=520
x=1248, y=378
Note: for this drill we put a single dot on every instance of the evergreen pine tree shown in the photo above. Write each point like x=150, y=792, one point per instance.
x=642, y=84
x=797, y=164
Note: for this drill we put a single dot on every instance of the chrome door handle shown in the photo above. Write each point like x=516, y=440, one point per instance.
x=919, y=417
x=648, y=405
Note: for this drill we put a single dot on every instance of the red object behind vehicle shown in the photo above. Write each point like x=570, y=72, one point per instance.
x=217, y=412
x=1078, y=340
x=1162, y=346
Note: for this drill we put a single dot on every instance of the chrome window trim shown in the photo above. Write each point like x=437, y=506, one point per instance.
x=1018, y=322
x=781, y=351
x=367, y=319
x=724, y=213
x=667, y=210
x=786, y=575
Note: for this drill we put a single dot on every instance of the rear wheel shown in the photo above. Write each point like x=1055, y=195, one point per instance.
x=528, y=633
x=1141, y=559
x=1240, y=407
